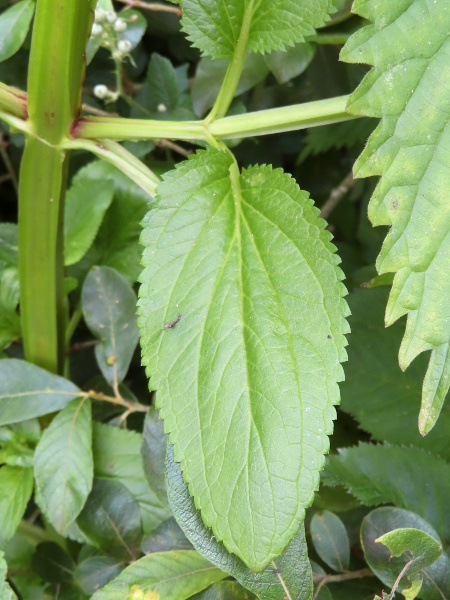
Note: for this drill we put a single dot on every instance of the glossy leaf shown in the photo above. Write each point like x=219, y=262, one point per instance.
x=14, y=25
x=409, y=89
x=111, y=519
x=86, y=204
x=215, y=27
x=53, y=564
x=109, y=309
x=242, y=323
x=6, y=592
x=28, y=391
x=373, y=372
x=16, y=486
x=436, y=577
x=63, y=464
x=95, y=572
x=406, y=477
x=330, y=540
x=294, y=572
x=116, y=457
x=169, y=575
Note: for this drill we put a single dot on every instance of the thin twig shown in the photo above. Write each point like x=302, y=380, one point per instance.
x=172, y=146
x=277, y=572
x=336, y=195
x=5, y=177
x=118, y=400
x=97, y=111
x=152, y=6
x=7, y=162
x=81, y=346
x=324, y=579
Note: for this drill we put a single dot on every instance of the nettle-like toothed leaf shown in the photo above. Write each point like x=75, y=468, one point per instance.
x=242, y=322
x=216, y=26
x=408, y=43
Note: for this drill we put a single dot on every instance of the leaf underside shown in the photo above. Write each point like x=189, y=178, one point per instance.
x=242, y=324
x=214, y=26
x=408, y=44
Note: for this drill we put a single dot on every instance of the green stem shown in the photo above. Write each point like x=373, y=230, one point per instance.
x=274, y=120
x=233, y=74
x=13, y=101
x=56, y=71
x=287, y=118
x=73, y=323
x=117, y=128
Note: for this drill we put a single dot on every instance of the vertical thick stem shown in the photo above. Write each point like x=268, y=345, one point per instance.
x=56, y=72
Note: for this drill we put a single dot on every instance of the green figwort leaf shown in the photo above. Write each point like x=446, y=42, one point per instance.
x=63, y=464
x=409, y=89
x=216, y=27
x=242, y=321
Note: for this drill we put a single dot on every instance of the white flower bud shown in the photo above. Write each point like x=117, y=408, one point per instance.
x=101, y=91
x=111, y=16
x=124, y=46
x=117, y=55
x=162, y=107
x=99, y=15
x=96, y=30
x=120, y=26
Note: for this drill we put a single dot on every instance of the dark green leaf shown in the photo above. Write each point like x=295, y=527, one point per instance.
x=28, y=391
x=436, y=584
x=16, y=486
x=8, y=245
x=63, y=465
x=111, y=519
x=153, y=450
x=225, y=590
x=14, y=25
x=292, y=564
x=117, y=457
x=215, y=27
x=95, y=572
x=109, y=309
x=210, y=74
x=169, y=575
x=290, y=63
x=373, y=373
x=168, y=536
x=53, y=564
x=330, y=540
x=406, y=477
x=86, y=204
x=10, y=328
x=245, y=358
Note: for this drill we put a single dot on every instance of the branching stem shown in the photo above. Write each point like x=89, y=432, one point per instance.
x=325, y=579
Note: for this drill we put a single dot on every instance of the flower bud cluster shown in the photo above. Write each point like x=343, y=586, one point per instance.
x=108, y=29
x=104, y=93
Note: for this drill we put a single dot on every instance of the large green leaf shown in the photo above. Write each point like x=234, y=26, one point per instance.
x=6, y=592
x=383, y=399
x=409, y=89
x=28, y=391
x=216, y=27
x=16, y=485
x=406, y=477
x=63, y=465
x=169, y=575
x=242, y=323
x=289, y=573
